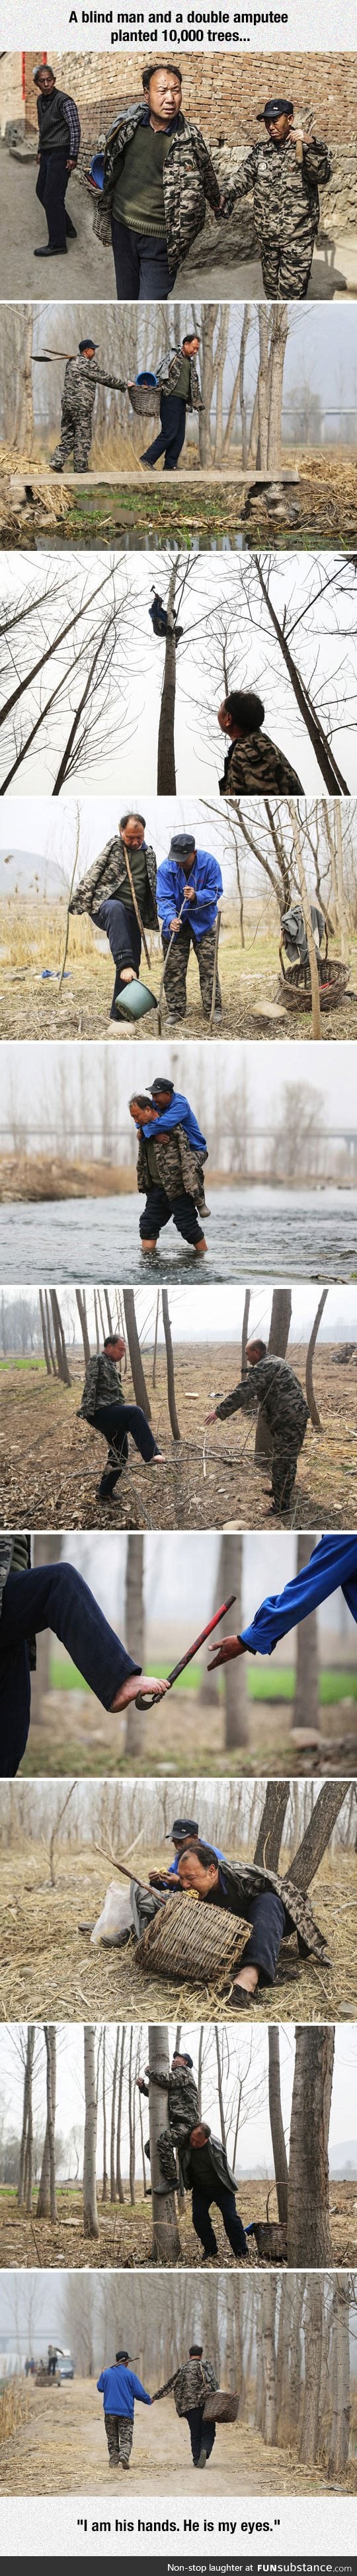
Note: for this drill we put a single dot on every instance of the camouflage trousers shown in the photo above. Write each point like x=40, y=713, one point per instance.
x=76, y=433
x=167, y=2159
x=286, y=264
x=283, y=1468
x=175, y=980
x=119, y=2432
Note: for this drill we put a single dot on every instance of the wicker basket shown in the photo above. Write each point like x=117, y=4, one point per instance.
x=188, y=1939
x=221, y=2407
x=271, y=2240
x=295, y=985
x=145, y=399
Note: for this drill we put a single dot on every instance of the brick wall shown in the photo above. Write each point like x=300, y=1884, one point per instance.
x=220, y=90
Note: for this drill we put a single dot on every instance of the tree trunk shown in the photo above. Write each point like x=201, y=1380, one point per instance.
x=313, y=2352
x=139, y=1382
x=104, y=2109
x=340, y=885
x=165, y=2236
x=90, y=2212
x=176, y=1434
x=113, y=2187
x=310, y=1396
x=25, y=2110
x=269, y=2287
x=50, y=2044
x=220, y=2087
x=136, y=1724
x=63, y=1369
x=235, y=1689
x=44, y=2192
x=332, y=775
x=82, y=1311
x=316, y=1030
x=120, y=2101
x=278, y=1342
x=267, y=1847
x=276, y=2123
x=45, y=1335
x=305, y=1706
x=309, y=2240
x=280, y=328
x=314, y=1842
x=263, y=388
x=340, y=2431
x=166, y=769
x=245, y=1328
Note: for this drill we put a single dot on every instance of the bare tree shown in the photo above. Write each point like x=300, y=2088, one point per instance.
x=139, y=1381
x=82, y=1311
x=268, y=1842
x=90, y=2212
x=309, y=2239
x=176, y=1434
x=165, y=2238
x=135, y=1731
x=230, y=1579
x=313, y=2354
x=340, y=2431
x=310, y=1394
x=62, y=1361
x=276, y=2123
x=269, y=2288
x=318, y=1833
x=305, y=1707
x=50, y=2045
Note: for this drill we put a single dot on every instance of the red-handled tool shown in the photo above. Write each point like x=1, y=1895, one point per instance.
x=146, y=1699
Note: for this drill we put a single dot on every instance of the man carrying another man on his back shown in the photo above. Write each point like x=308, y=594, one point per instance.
x=189, y=883
x=202, y=2160
x=169, y=1167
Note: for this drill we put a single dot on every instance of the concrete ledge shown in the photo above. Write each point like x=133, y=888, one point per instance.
x=41, y=474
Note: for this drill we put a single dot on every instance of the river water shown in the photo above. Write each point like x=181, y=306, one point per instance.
x=252, y=1233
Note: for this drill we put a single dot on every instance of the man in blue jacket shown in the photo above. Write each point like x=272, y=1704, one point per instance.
x=333, y=1562
x=185, y=1829
x=120, y=2387
x=189, y=884
x=174, y=1111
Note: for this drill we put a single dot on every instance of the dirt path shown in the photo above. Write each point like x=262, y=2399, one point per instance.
x=62, y=2450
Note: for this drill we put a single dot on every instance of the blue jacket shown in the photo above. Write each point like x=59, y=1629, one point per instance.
x=120, y=2386
x=333, y=1562
x=179, y=1114
x=171, y=887
x=212, y=1846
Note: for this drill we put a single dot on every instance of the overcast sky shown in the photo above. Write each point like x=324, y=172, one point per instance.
x=35, y=1073
x=216, y=1314
x=321, y=353
x=45, y=829
x=254, y=2142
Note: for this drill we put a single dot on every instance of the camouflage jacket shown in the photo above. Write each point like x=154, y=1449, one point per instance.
x=167, y=377
x=193, y=2384
x=271, y=1383
x=102, y=1385
x=285, y=190
x=6, y=1554
x=179, y=1166
x=80, y=385
x=238, y=1883
x=109, y=875
x=254, y=766
x=182, y=2100
x=189, y=181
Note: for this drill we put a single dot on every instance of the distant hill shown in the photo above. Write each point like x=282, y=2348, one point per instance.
x=28, y=873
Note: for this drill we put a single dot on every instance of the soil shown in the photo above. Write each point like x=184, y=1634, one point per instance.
x=62, y=2450
x=31, y=1008
x=52, y=1460
x=126, y=2233
x=48, y=1966
x=75, y=1736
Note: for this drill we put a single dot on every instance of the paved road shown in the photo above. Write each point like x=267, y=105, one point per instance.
x=89, y=269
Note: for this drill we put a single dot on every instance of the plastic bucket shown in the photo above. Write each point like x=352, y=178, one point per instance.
x=134, y=1001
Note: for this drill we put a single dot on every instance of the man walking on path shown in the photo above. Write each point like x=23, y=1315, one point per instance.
x=332, y=1562
x=59, y=141
x=106, y=893
x=169, y=1173
x=103, y=1404
x=285, y=172
x=254, y=766
x=189, y=884
x=120, y=2388
x=180, y=392
x=53, y=1596
x=78, y=399
x=272, y=1383
x=158, y=179
x=196, y=2381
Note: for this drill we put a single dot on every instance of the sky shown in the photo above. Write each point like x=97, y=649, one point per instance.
x=254, y=2140
x=216, y=1314
x=34, y=1074
x=181, y=1577
x=326, y=652
x=321, y=352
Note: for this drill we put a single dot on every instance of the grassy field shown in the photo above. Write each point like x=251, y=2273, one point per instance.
x=32, y=938
x=75, y=1735
x=51, y=1460
x=325, y=498
x=125, y=2235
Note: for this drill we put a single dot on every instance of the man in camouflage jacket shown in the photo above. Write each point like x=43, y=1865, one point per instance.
x=273, y=1907
x=103, y=1404
x=169, y=1172
x=106, y=894
x=272, y=1383
x=254, y=766
x=284, y=172
x=191, y=2385
x=180, y=392
x=145, y=266
x=203, y=2165
x=79, y=391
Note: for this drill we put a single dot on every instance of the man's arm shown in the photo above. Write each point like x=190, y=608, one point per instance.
x=242, y=1400
x=83, y=900
x=208, y=174
x=137, y=2390
x=100, y=2382
x=317, y=159
x=165, y=896
x=235, y=188
x=117, y=383
x=71, y=112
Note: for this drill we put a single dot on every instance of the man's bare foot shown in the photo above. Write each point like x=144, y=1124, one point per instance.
x=138, y=1681
x=159, y=1460
x=201, y=1247
x=149, y=1243
x=248, y=1979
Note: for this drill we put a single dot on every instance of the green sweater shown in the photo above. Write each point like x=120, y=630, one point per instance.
x=138, y=199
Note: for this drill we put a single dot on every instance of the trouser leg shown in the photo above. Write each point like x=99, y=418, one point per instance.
x=112, y=2433
x=53, y=197
x=55, y=1596
x=109, y=1422
x=175, y=979
x=225, y=2201
x=66, y=440
x=208, y=2436
x=201, y=2220
x=185, y=1218
x=125, y=2438
x=173, y=417
x=283, y=1473
x=150, y=455
x=195, y=2421
x=82, y=442
x=122, y=930
x=126, y=262
x=157, y=1212
x=266, y=1913
x=295, y=269
x=131, y=1418
x=155, y=275
x=204, y=951
x=270, y=251
x=15, y=1705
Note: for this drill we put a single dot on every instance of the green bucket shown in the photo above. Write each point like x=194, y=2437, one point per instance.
x=134, y=1001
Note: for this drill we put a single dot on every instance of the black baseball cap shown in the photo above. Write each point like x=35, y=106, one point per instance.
x=275, y=107
x=182, y=844
x=183, y=2053
x=88, y=343
x=182, y=1825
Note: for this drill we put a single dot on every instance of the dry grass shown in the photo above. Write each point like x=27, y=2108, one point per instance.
x=32, y=937
x=64, y=2452
x=48, y=1967
x=125, y=2236
x=52, y=1461
x=326, y=498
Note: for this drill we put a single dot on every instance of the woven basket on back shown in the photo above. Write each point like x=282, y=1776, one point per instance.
x=221, y=2407
x=187, y=1939
x=145, y=399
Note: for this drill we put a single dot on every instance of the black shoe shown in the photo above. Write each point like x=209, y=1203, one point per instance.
x=107, y=1487
x=48, y=251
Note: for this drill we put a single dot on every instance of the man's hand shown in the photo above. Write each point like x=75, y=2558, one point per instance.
x=175, y=924
x=140, y=2081
x=225, y=1653
x=224, y=209
x=158, y=1878
x=190, y=894
x=211, y=1417
x=71, y=165
x=128, y=975
x=144, y=1681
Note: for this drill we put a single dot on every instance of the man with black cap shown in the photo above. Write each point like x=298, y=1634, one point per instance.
x=169, y=1177
x=285, y=172
x=180, y=392
x=120, y=2387
x=79, y=391
x=253, y=766
x=203, y=2165
x=189, y=884
x=59, y=141
x=185, y=1829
